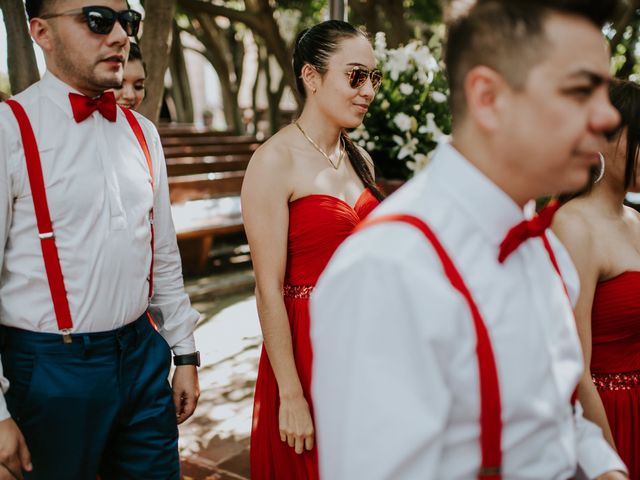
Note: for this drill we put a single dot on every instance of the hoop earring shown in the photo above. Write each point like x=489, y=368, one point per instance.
x=602, y=168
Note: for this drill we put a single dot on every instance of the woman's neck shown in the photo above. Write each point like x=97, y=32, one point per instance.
x=609, y=198
x=325, y=135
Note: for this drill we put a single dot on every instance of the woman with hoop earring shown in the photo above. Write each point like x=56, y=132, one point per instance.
x=603, y=237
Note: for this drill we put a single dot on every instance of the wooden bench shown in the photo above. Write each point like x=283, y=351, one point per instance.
x=205, y=177
x=210, y=164
x=204, y=206
x=188, y=130
x=210, y=150
x=207, y=139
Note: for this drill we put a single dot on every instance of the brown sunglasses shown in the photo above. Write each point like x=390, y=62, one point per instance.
x=358, y=77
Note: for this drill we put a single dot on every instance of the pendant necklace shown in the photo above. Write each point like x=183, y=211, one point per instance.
x=317, y=147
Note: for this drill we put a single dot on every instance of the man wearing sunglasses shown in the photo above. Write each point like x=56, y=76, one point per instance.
x=91, y=295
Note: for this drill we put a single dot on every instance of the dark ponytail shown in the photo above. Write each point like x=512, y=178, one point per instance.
x=361, y=166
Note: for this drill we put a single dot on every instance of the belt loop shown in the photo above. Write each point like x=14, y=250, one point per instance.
x=86, y=340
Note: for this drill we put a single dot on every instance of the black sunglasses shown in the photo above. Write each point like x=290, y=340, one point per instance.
x=101, y=20
x=358, y=77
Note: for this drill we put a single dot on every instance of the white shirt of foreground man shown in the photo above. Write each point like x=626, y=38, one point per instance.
x=395, y=373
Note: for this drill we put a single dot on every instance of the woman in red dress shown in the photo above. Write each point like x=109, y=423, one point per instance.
x=603, y=238
x=304, y=191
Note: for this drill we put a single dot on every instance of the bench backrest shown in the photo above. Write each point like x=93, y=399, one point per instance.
x=205, y=185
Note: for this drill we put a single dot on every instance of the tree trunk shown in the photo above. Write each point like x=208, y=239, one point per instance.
x=367, y=12
x=180, y=78
x=394, y=13
x=23, y=69
x=259, y=17
x=155, y=45
x=218, y=51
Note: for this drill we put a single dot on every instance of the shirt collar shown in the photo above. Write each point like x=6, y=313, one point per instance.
x=493, y=211
x=58, y=92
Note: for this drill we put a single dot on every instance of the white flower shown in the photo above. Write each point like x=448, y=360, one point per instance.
x=384, y=105
x=431, y=128
x=398, y=139
x=403, y=122
x=380, y=46
x=397, y=63
x=420, y=160
x=438, y=97
x=408, y=149
x=424, y=59
x=370, y=146
x=406, y=88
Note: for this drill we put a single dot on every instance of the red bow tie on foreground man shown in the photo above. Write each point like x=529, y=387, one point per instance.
x=527, y=229
x=83, y=106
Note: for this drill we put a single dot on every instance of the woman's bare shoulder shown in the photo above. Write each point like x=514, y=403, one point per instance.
x=575, y=224
x=274, y=154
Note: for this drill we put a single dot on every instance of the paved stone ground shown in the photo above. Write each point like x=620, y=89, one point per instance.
x=214, y=443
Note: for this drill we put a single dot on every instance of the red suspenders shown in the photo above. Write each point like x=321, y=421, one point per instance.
x=45, y=229
x=490, y=406
x=137, y=130
x=43, y=218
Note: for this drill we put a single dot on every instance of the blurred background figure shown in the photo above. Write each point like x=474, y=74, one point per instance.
x=602, y=236
x=131, y=94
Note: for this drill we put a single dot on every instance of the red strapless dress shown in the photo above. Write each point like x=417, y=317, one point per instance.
x=318, y=224
x=615, y=361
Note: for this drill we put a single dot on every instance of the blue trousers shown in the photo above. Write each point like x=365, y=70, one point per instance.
x=100, y=405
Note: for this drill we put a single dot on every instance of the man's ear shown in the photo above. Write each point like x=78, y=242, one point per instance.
x=41, y=33
x=485, y=91
x=310, y=77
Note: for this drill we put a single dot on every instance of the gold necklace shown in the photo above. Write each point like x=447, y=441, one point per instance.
x=317, y=147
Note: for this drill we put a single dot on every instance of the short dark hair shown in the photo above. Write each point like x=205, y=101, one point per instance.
x=34, y=8
x=508, y=37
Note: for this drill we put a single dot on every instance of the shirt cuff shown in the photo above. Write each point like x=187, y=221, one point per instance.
x=185, y=346
x=595, y=457
x=4, y=411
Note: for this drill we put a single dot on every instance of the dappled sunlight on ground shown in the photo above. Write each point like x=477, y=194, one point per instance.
x=229, y=343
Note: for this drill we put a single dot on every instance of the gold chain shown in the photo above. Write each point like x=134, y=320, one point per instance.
x=317, y=147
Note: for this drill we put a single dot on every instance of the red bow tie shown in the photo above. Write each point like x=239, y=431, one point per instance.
x=83, y=106
x=527, y=229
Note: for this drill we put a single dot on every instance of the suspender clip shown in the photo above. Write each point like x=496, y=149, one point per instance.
x=66, y=335
x=46, y=235
x=490, y=471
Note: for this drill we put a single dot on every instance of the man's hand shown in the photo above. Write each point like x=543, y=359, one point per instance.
x=613, y=475
x=14, y=454
x=186, y=391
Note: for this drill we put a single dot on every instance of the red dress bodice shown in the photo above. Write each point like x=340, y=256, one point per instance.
x=615, y=320
x=318, y=224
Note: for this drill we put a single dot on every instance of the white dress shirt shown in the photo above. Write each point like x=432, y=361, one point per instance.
x=395, y=380
x=99, y=193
